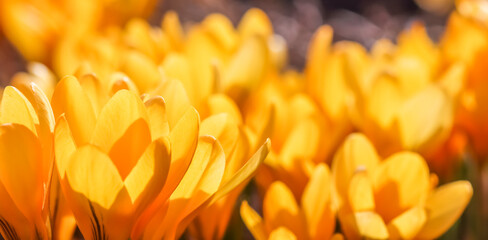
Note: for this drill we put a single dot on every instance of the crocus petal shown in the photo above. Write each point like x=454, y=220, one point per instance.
x=195, y=187
x=221, y=103
x=45, y=115
x=64, y=145
x=282, y=233
x=245, y=173
x=13, y=224
x=223, y=128
x=148, y=176
x=95, y=192
x=92, y=87
x=255, y=22
x=177, y=101
x=253, y=221
x=126, y=151
x=316, y=204
x=370, y=225
x=69, y=98
x=176, y=66
x=124, y=106
x=92, y=173
x=15, y=108
x=441, y=211
x=408, y=224
x=396, y=191
x=158, y=120
x=246, y=68
x=19, y=166
x=356, y=153
x=142, y=70
x=422, y=117
x=184, y=138
x=360, y=193
x=281, y=210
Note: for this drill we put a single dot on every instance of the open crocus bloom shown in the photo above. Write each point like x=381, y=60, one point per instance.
x=392, y=199
x=26, y=159
x=111, y=164
x=283, y=218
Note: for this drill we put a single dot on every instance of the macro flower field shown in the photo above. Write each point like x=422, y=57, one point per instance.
x=115, y=128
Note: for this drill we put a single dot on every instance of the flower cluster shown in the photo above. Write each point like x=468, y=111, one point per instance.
x=125, y=130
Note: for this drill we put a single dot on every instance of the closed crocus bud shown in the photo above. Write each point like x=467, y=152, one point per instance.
x=396, y=198
x=312, y=218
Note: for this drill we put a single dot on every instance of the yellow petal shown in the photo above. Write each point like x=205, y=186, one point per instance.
x=356, y=153
x=92, y=87
x=370, y=225
x=245, y=173
x=441, y=211
x=176, y=66
x=398, y=190
x=422, y=118
x=223, y=128
x=361, y=193
x=20, y=165
x=15, y=108
x=196, y=186
x=220, y=28
x=246, y=68
x=221, y=103
x=13, y=222
x=91, y=172
x=281, y=210
x=64, y=145
x=119, y=81
x=95, y=193
x=255, y=22
x=177, y=101
x=126, y=108
x=141, y=70
x=148, y=176
x=69, y=98
x=158, y=120
x=172, y=27
x=316, y=204
x=127, y=150
x=384, y=101
x=253, y=221
x=408, y=224
x=184, y=138
x=282, y=233
x=45, y=130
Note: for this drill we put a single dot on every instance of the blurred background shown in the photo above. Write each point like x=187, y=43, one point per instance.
x=362, y=21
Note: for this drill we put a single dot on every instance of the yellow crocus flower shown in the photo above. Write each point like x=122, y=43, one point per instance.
x=295, y=125
x=394, y=198
x=402, y=98
x=127, y=159
x=26, y=159
x=313, y=218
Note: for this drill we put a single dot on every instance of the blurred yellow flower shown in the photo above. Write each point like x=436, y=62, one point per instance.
x=403, y=99
x=392, y=199
x=283, y=218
